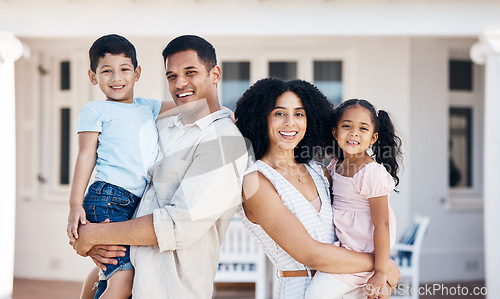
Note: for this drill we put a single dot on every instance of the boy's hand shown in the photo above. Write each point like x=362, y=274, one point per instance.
x=375, y=286
x=76, y=216
x=231, y=113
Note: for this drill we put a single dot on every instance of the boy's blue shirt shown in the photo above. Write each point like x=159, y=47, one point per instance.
x=128, y=140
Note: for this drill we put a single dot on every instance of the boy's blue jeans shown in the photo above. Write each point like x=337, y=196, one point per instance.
x=107, y=201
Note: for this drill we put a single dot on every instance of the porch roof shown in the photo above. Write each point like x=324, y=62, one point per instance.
x=65, y=18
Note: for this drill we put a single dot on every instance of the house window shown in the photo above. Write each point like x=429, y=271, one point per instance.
x=64, y=146
x=460, y=75
x=465, y=143
x=460, y=146
x=62, y=76
x=235, y=81
x=65, y=75
x=283, y=70
x=328, y=79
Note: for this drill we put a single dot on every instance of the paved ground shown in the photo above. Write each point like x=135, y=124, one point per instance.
x=39, y=289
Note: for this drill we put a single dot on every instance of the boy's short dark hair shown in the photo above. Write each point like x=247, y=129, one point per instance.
x=112, y=44
x=205, y=50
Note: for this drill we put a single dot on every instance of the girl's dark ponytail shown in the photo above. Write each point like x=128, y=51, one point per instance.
x=387, y=148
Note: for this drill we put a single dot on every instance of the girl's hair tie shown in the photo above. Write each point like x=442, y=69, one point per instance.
x=376, y=111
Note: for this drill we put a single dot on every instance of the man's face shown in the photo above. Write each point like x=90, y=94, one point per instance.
x=190, y=84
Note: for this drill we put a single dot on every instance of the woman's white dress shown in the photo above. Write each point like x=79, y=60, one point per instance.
x=318, y=224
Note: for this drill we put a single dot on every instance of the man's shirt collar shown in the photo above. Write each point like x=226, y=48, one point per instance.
x=203, y=122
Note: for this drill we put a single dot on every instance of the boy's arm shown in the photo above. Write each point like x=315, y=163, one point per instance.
x=168, y=108
x=85, y=162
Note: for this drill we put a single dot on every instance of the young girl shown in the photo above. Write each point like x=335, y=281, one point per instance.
x=363, y=218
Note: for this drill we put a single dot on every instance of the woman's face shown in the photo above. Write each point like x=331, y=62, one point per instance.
x=287, y=122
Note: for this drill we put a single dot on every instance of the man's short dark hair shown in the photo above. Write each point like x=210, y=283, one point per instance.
x=204, y=49
x=113, y=44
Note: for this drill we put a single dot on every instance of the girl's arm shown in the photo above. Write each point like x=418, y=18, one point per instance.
x=379, y=209
x=85, y=162
x=263, y=205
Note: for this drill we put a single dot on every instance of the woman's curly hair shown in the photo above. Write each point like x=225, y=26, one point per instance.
x=253, y=108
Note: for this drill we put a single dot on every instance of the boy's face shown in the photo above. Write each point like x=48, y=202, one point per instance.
x=192, y=87
x=116, y=77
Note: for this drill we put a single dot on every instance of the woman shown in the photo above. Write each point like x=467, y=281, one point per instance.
x=286, y=198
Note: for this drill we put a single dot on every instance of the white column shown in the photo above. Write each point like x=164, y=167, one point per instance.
x=10, y=50
x=487, y=51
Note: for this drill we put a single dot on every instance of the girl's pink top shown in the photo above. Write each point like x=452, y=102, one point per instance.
x=351, y=211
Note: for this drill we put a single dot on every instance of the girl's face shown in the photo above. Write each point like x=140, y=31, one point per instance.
x=287, y=122
x=355, y=131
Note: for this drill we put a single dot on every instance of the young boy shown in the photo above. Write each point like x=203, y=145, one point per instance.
x=119, y=138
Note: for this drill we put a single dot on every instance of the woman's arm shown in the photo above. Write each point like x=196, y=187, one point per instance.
x=263, y=205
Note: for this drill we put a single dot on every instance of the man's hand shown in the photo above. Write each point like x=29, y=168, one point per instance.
x=76, y=216
x=82, y=245
x=104, y=254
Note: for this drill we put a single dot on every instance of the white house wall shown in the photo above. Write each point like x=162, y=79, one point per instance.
x=453, y=247
x=405, y=76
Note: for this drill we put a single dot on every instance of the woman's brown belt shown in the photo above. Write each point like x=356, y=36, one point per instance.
x=297, y=273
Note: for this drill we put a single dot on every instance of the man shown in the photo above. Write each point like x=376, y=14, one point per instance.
x=195, y=187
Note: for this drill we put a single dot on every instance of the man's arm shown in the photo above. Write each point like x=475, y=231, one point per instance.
x=138, y=231
x=210, y=187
